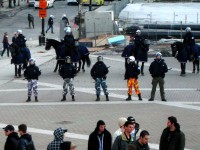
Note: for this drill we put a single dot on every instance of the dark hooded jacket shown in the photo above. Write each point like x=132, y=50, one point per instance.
x=158, y=68
x=99, y=70
x=172, y=140
x=12, y=141
x=25, y=142
x=58, y=139
x=132, y=71
x=65, y=145
x=93, y=142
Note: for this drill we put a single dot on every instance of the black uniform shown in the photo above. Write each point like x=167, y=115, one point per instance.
x=21, y=40
x=12, y=141
x=157, y=69
x=31, y=20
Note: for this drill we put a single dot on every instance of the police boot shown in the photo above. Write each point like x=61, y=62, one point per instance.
x=73, y=98
x=139, y=97
x=98, y=98
x=64, y=98
x=107, y=98
x=36, y=98
x=129, y=98
x=29, y=99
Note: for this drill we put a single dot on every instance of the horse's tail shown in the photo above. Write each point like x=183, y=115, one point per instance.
x=88, y=61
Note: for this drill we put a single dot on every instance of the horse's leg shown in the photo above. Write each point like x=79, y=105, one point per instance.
x=79, y=66
x=56, y=67
x=197, y=65
x=83, y=66
x=142, y=69
x=193, y=63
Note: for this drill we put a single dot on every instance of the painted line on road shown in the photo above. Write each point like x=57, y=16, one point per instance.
x=68, y=134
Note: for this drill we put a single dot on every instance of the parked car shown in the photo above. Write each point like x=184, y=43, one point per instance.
x=72, y=2
x=49, y=3
x=31, y=3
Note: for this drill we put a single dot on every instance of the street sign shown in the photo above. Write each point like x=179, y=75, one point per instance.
x=43, y=4
x=42, y=13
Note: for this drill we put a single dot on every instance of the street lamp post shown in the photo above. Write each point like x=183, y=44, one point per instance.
x=90, y=5
x=175, y=15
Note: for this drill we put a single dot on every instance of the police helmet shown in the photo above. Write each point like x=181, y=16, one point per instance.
x=100, y=58
x=158, y=54
x=68, y=59
x=52, y=16
x=64, y=15
x=19, y=31
x=138, y=32
x=68, y=30
x=188, y=29
x=31, y=61
x=131, y=59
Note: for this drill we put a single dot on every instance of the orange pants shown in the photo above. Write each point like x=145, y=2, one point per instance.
x=133, y=82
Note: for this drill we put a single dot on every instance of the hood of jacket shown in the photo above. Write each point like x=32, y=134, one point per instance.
x=59, y=134
x=13, y=135
x=27, y=137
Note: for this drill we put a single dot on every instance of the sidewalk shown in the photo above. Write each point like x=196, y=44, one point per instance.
x=8, y=12
x=37, y=52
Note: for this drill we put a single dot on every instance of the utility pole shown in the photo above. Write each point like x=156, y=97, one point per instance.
x=90, y=5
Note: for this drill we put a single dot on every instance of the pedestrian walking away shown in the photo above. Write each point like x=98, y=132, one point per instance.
x=5, y=44
x=131, y=75
x=98, y=73
x=142, y=142
x=100, y=138
x=172, y=137
x=25, y=141
x=30, y=21
x=50, y=24
x=12, y=141
x=14, y=38
x=32, y=73
x=58, y=139
x=68, y=72
x=122, y=141
x=157, y=69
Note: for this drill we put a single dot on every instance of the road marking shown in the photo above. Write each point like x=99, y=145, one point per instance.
x=68, y=134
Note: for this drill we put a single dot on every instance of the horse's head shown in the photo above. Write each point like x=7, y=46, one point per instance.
x=48, y=44
x=176, y=46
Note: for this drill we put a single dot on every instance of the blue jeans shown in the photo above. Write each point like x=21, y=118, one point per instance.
x=50, y=26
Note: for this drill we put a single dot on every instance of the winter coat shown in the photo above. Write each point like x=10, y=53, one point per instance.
x=21, y=40
x=58, y=139
x=121, y=142
x=158, y=68
x=132, y=71
x=12, y=141
x=5, y=42
x=99, y=70
x=188, y=39
x=93, y=142
x=176, y=142
x=30, y=17
x=18, y=58
x=25, y=142
x=141, y=48
x=129, y=50
x=50, y=21
x=26, y=53
x=141, y=147
x=67, y=71
x=32, y=72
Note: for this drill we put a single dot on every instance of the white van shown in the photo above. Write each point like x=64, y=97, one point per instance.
x=72, y=2
x=31, y=3
x=49, y=3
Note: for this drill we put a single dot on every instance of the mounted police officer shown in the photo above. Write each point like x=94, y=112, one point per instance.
x=142, y=47
x=98, y=73
x=68, y=72
x=21, y=39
